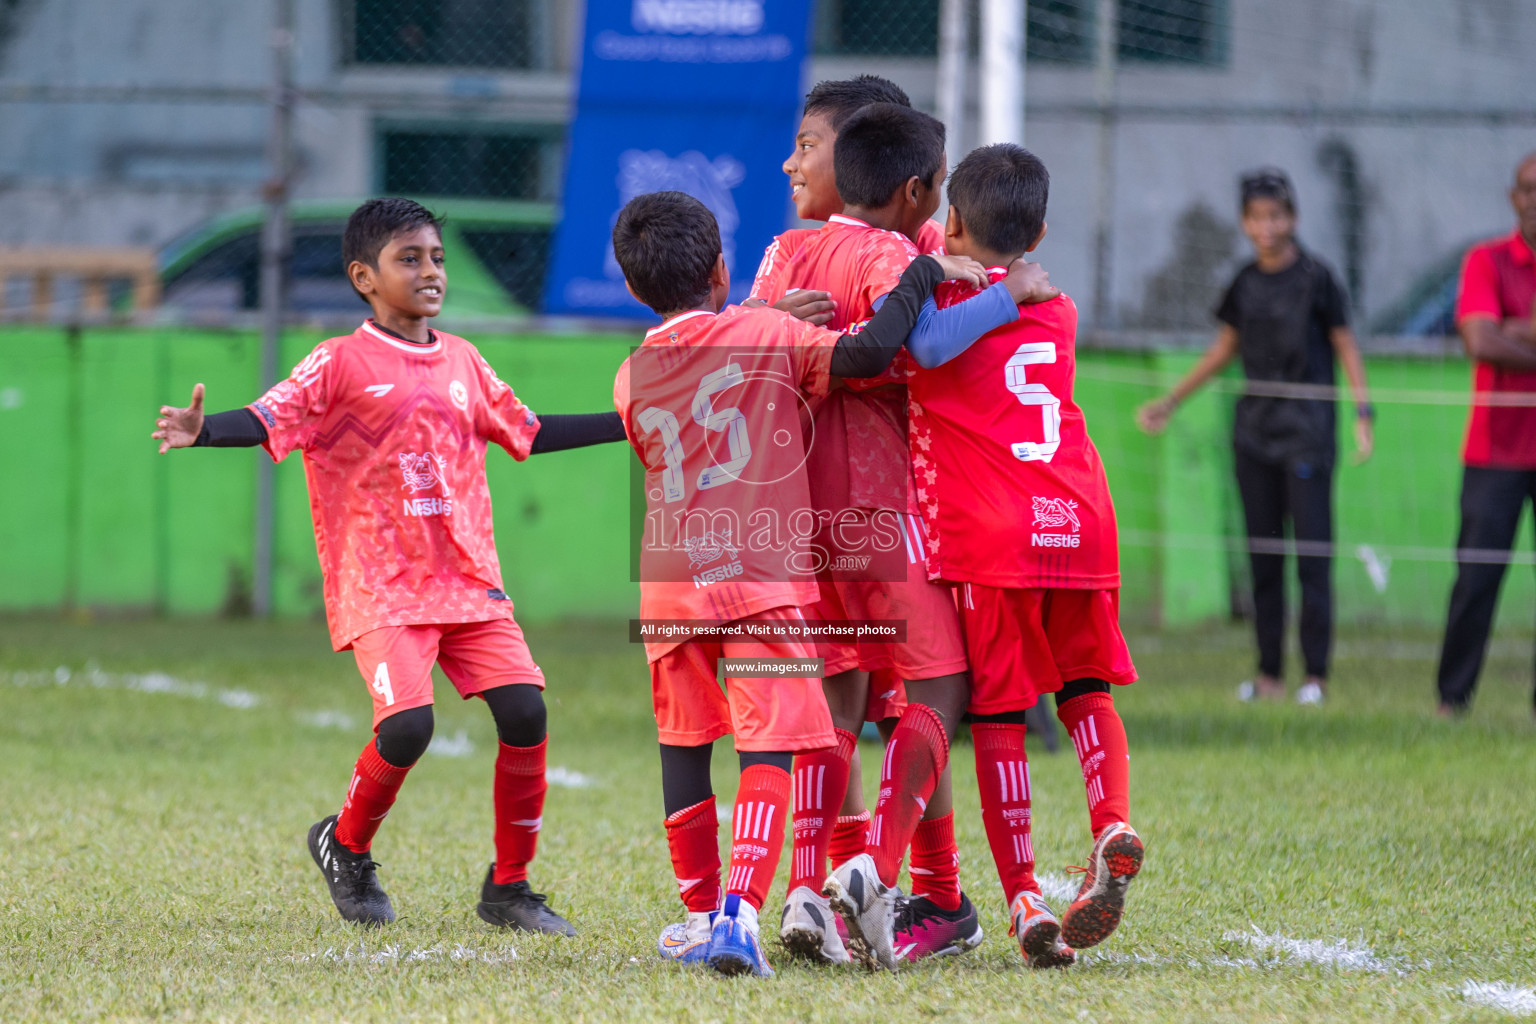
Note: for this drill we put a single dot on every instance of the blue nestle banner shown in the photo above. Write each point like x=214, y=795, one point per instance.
x=701, y=96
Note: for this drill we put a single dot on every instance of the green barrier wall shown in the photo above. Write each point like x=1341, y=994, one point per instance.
x=94, y=518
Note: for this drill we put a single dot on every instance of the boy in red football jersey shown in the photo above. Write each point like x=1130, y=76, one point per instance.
x=722, y=551
x=1018, y=513
x=393, y=421
x=889, y=164
x=813, y=187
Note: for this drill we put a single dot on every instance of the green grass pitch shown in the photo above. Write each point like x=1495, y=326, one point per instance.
x=1360, y=862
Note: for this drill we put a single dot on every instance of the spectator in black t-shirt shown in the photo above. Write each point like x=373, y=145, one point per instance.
x=1286, y=315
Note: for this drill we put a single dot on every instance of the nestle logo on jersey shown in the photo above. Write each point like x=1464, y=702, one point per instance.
x=428, y=507
x=715, y=575
x=711, y=548
x=426, y=472
x=1053, y=513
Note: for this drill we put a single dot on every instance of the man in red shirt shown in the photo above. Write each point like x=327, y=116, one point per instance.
x=393, y=421
x=712, y=405
x=1017, y=511
x=1495, y=317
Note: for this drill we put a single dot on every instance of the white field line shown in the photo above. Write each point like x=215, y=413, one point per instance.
x=457, y=745
x=328, y=720
x=1337, y=953
x=149, y=682
x=1057, y=888
x=395, y=954
x=1500, y=995
x=559, y=775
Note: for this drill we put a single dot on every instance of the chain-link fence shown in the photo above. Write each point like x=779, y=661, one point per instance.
x=136, y=170
x=1059, y=31
x=137, y=142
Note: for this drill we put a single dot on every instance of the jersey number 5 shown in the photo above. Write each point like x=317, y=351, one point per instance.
x=730, y=422
x=1014, y=375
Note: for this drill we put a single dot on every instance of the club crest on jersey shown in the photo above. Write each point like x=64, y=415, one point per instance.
x=711, y=548
x=459, y=393
x=1054, y=514
x=425, y=472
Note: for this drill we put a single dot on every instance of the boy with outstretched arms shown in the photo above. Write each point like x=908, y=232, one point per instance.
x=712, y=404
x=888, y=163
x=1019, y=514
x=393, y=421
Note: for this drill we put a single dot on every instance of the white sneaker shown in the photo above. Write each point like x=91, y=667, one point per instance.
x=868, y=907
x=1310, y=694
x=687, y=942
x=1039, y=932
x=1112, y=866
x=808, y=928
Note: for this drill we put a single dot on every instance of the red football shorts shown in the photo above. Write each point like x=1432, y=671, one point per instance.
x=396, y=661
x=1029, y=641
x=764, y=714
x=934, y=646
x=887, y=696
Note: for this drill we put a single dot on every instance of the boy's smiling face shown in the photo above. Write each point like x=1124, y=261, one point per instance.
x=410, y=281
x=812, y=180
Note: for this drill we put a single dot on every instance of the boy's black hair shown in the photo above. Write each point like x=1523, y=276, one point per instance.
x=667, y=244
x=373, y=224
x=880, y=147
x=1001, y=192
x=1267, y=183
x=841, y=98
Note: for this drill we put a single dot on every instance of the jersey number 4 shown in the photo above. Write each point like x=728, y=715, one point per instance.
x=1015, y=373
x=730, y=422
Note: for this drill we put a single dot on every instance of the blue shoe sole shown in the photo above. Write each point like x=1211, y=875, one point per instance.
x=731, y=964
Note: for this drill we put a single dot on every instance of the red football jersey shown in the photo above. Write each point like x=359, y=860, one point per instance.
x=859, y=459
x=394, y=437
x=774, y=258
x=1498, y=282
x=1012, y=489
x=930, y=237
x=714, y=405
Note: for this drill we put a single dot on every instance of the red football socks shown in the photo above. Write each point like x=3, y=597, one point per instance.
x=820, y=781
x=849, y=838
x=1099, y=738
x=519, y=802
x=1002, y=774
x=914, y=759
x=374, y=784
x=757, y=832
x=935, y=864
x=693, y=838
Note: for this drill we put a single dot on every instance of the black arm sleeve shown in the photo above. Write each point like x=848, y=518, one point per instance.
x=237, y=428
x=869, y=352
x=576, y=430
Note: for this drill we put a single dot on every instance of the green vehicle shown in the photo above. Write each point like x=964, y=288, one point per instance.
x=496, y=253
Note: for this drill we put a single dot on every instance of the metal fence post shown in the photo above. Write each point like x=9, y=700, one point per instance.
x=1106, y=53
x=1003, y=26
x=954, y=42
x=275, y=245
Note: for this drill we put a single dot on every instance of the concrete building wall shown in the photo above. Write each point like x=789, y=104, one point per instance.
x=1424, y=104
